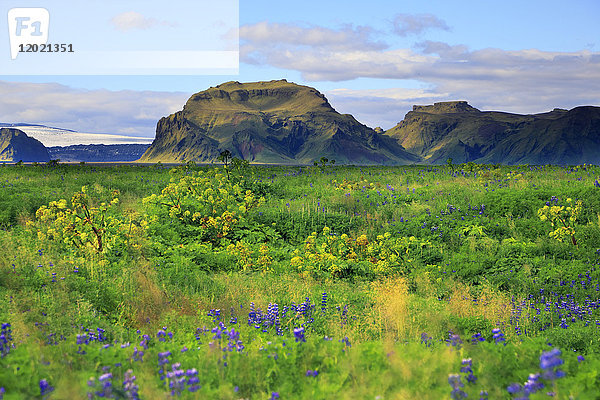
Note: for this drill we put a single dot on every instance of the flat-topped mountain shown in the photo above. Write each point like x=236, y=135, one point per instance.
x=16, y=146
x=459, y=131
x=270, y=122
x=446, y=107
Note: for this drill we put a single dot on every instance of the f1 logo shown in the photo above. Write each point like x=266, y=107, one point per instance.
x=27, y=26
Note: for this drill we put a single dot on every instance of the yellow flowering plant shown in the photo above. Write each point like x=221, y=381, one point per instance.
x=562, y=218
x=252, y=257
x=341, y=256
x=88, y=222
x=348, y=185
x=206, y=202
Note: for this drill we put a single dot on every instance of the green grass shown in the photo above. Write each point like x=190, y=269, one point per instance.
x=482, y=260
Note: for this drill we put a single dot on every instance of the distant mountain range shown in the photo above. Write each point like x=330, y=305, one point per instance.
x=69, y=146
x=285, y=123
x=98, y=152
x=16, y=145
x=281, y=122
x=51, y=136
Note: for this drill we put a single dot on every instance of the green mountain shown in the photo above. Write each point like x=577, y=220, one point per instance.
x=269, y=122
x=16, y=146
x=461, y=132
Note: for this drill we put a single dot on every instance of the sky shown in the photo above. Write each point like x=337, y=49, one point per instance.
x=373, y=59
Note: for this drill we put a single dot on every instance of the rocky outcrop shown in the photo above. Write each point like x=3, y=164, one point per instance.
x=16, y=146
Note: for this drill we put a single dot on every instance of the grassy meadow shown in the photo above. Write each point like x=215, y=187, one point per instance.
x=324, y=282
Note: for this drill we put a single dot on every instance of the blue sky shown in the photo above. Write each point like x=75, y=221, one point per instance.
x=371, y=59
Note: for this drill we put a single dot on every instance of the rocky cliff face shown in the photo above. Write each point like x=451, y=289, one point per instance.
x=98, y=152
x=458, y=131
x=16, y=146
x=269, y=122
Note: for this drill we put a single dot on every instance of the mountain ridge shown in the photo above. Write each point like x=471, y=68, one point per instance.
x=461, y=132
x=271, y=122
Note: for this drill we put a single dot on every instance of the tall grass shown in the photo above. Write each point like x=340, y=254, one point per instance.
x=488, y=263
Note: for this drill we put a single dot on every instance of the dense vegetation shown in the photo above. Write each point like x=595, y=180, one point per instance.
x=299, y=282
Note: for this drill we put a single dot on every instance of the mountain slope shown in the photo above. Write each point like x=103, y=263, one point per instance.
x=15, y=146
x=98, y=152
x=270, y=122
x=458, y=131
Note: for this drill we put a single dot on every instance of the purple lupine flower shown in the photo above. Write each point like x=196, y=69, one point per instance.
x=426, y=339
x=177, y=379
x=477, y=338
x=299, y=334
x=192, y=380
x=105, y=381
x=549, y=361
x=45, y=387
x=532, y=385
x=5, y=339
x=138, y=355
x=467, y=369
x=514, y=388
x=454, y=340
x=163, y=358
x=498, y=336
x=131, y=389
x=144, y=342
x=457, y=385
x=324, y=302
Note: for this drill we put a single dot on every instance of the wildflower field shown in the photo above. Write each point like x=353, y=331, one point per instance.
x=324, y=282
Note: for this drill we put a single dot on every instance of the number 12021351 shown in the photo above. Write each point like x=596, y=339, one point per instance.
x=46, y=48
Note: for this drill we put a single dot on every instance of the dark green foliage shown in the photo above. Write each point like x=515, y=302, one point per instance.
x=294, y=229
x=517, y=204
x=576, y=338
x=469, y=326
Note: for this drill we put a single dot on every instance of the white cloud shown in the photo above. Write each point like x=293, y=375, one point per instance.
x=414, y=24
x=528, y=80
x=457, y=52
x=274, y=35
x=101, y=111
x=132, y=20
x=380, y=107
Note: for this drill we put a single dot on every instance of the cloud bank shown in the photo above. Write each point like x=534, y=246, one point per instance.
x=124, y=112
x=528, y=80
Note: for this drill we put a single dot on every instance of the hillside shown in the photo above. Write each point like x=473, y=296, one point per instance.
x=461, y=132
x=269, y=122
x=98, y=152
x=16, y=146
